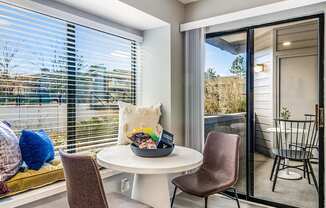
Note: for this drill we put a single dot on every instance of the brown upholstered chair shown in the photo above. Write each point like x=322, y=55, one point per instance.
x=85, y=188
x=219, y=171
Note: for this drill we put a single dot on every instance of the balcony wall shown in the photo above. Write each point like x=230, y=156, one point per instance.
x=228, y=123
x=236, y=124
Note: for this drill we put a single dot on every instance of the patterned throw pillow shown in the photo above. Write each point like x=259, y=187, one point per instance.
x=131, y=116
x=10, y=155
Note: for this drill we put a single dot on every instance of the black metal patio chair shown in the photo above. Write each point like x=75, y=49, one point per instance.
x=291, y=137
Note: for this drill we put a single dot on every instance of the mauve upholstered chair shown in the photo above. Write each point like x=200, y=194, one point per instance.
x=85, y=188
x=219, y=171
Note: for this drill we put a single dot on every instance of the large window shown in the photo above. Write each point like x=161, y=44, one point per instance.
x=63, y=78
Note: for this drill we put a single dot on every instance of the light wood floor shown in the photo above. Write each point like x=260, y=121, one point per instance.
x=186, y=201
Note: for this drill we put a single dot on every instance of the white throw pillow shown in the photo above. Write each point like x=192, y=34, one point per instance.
x=10, y=155
x=131, y=116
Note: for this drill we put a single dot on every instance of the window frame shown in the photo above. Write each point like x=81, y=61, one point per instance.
x=72, y=98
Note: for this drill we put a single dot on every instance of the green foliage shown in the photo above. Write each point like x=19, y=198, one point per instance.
x=285, y=113
x=210, y=74
x=239, y=66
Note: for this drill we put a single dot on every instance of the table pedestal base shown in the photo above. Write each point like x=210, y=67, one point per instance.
x=152, y=190
x=289, y=175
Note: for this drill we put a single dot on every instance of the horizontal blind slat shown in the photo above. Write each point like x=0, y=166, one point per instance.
x=104, y=141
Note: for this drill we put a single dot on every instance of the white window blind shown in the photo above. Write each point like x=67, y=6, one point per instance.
x=63, y=78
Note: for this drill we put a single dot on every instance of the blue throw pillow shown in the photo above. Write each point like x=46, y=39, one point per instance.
x=36, y=148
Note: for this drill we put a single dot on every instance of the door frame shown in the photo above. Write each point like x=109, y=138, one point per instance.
x=249, y=195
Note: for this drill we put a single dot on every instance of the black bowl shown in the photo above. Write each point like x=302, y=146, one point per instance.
x=159, y=152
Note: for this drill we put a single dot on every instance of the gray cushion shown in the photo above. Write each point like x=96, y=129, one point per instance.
x=10, y=156
x=117, y=200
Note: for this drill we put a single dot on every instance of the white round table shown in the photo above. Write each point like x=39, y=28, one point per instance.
x=150, y=174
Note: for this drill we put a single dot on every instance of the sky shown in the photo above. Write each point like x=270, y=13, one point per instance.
x=218, y=59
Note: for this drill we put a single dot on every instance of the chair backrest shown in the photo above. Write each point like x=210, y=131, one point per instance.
x=296, y=136
x=316, y=139
x=221, y=156
x=84, y=184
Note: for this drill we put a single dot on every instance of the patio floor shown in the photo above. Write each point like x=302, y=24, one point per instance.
x=292, y=192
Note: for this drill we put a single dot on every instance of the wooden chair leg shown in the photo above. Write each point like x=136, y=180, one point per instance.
x=276, y=173
x=206, y=201
x=274, y=164
x=313, y=175
x=173, y=197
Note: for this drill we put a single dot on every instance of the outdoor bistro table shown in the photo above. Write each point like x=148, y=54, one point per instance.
x=286, y=174
x=150, y=174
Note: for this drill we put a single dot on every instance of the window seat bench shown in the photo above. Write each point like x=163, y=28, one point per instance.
x=32, y=179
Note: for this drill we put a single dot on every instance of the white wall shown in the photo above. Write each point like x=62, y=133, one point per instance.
x=263, y=92
x=172, y=12
x=297, y=67
x=209, y=8
x=156, y=73
x=299, y=12
x=71, y=10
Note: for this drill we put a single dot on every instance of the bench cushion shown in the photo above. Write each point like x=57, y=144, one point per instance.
x=32, y=179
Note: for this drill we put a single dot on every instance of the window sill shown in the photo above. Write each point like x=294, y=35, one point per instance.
x=44, y=192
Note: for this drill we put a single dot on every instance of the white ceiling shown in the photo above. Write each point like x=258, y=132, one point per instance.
x=187, y=1
x=118, y=12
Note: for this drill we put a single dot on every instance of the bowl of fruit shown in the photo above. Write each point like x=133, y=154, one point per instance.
x=148, y=143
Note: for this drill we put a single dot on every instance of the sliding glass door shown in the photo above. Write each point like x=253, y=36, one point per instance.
x=225, y=91
x=266, y=84
x=286, y=93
